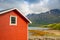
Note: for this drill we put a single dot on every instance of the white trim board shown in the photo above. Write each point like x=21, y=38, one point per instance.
x=16, y=20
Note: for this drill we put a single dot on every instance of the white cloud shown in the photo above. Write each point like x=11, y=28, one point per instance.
x=18, y=4
x=39, y=7
x=27, y=7
x=44, y=6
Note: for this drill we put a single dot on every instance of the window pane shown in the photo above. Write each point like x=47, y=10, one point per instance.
x=13, y=20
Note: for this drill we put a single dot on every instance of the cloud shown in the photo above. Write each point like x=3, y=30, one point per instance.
x=24, y=8
x=44, y=5
x=53, y=4
x=20, y=4
x=30, y=6
x=39, y=7
x=32, y=1
x=6, y=4
x=10, y=3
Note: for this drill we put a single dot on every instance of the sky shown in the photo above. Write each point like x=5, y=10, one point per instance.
x=30, y=6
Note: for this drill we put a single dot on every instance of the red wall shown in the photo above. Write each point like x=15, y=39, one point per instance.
x=9, y=32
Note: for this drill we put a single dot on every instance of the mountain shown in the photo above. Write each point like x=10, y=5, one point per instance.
x=49, y=17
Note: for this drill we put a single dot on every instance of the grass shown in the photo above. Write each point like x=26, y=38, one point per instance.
x=41, y=33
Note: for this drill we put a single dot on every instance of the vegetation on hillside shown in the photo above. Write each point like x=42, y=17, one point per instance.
x=55, y=26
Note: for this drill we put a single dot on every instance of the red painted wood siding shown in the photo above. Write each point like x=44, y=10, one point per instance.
x=9, y=32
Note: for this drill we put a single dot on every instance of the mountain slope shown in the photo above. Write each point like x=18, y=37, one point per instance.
x=52, y=16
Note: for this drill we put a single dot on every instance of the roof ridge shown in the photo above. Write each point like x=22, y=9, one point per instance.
x=3, y=12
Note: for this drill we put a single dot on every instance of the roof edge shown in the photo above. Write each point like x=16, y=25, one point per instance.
x=18, y=11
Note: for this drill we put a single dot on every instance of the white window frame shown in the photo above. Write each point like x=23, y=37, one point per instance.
x=16, y=20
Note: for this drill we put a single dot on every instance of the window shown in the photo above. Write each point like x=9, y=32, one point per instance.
x=13, y=20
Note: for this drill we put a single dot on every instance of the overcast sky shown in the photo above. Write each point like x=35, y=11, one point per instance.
x=30, y=6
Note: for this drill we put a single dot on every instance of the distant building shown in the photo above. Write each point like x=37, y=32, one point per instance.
x=13, y=25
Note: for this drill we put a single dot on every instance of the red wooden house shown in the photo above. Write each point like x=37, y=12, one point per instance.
x=13, y=25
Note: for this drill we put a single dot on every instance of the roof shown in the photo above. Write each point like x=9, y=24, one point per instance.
x=7, y=10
